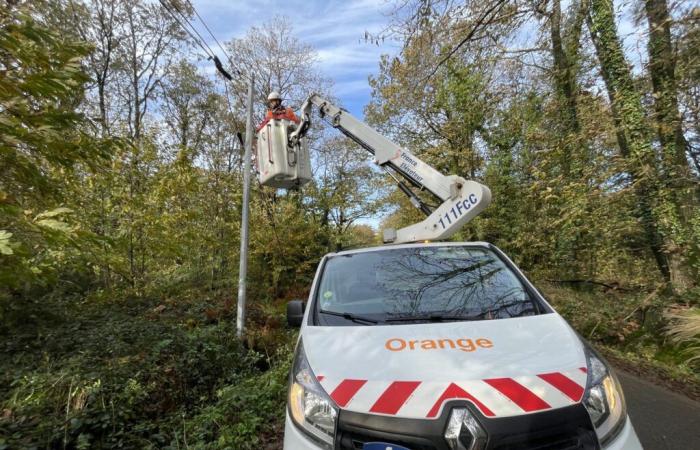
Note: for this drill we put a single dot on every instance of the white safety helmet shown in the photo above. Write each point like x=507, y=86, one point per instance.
x=274, y=95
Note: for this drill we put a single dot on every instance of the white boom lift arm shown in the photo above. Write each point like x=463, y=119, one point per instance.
x=462, y=200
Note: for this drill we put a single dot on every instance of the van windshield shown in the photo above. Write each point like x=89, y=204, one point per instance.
x=420, y=284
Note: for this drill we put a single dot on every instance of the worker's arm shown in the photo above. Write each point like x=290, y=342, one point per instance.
x=291, y=116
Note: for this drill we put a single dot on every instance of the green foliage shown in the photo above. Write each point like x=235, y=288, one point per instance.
x=667, y=205
x=42, y=83
x=630, y=321
x=119, y=243
x=246, y=415
x=560, y=206
x=286, y=243
x=108, y=374
x=467, y=106
x=41, y=145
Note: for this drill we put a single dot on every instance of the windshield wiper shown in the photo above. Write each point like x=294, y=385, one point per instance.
x=432, y=318
x=350, y=317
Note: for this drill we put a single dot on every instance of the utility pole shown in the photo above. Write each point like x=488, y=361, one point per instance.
x=243, y=268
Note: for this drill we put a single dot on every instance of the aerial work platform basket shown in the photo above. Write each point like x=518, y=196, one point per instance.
x=281, y=165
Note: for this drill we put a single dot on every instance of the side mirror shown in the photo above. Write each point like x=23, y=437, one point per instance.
x=295, y=313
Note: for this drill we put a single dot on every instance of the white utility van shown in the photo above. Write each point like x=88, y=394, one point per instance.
x=443, y=346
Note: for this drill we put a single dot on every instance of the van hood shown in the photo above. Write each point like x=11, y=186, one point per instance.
x=504, y=367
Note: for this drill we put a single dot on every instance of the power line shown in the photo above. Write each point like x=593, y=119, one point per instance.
x=221, y=47
x=182, y=20
x=189, y=28
x=187, y=20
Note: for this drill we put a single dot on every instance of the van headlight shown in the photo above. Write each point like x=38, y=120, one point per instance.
x=604, y=399
x=309, y=405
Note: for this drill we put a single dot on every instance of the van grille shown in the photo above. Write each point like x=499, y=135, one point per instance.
x=567, y=428
x=355, y=441
x=560, y=442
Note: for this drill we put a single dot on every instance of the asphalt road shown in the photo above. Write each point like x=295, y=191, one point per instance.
x=663, y=419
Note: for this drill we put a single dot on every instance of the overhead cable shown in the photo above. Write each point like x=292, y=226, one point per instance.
x=192, y=31
x=221, y=47
x=185, y=24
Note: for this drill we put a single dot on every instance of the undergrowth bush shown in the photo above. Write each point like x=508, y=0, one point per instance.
x=248, y=415
x=132, y=373
x=628, y=320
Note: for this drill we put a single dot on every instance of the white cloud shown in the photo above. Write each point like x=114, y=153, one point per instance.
x=335, y=28
x=351, y=88
x=337, y=59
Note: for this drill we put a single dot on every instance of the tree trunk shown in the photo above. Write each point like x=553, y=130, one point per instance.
x=564, y=76
x=675, y=169
x=628, y=115
x=662, y=64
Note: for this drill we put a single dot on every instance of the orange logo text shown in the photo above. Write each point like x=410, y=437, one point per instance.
x=464, y=344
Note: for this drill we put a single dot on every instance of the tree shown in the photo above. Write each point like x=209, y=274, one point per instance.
x=186, y=106
x=41, y=143
x=281, y=62
x=148, y=39
x=688, y=73
x=345, y=191
x=677, y=185
x=473, y=94
x=662, y=63
x=96, y=22
x=565, y=43
x=656, y=210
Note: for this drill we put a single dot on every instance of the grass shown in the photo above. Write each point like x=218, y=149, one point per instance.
x=684, y=328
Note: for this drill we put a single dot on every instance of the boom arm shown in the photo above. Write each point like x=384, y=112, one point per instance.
x=462, y=200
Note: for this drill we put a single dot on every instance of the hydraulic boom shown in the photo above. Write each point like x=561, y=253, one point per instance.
x=462, y=200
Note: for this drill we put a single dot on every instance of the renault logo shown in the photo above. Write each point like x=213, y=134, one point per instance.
x=464, y=432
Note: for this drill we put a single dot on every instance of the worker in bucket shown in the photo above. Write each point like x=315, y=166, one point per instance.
x=275, y=110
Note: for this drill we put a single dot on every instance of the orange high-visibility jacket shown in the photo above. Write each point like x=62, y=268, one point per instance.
x=286, y=113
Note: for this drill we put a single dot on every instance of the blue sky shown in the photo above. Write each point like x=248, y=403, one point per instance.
x=334, y=28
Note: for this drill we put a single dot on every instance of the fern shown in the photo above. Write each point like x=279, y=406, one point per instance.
x=684, y=328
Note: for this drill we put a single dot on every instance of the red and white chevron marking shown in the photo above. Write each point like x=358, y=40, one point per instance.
x=495, y=397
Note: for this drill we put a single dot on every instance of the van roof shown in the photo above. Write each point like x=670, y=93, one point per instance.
x=411, y=245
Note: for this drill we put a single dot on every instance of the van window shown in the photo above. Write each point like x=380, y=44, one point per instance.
x=420, y=284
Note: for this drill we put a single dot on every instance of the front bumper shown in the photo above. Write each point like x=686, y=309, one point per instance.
x=294, y=439
x=626, y=440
